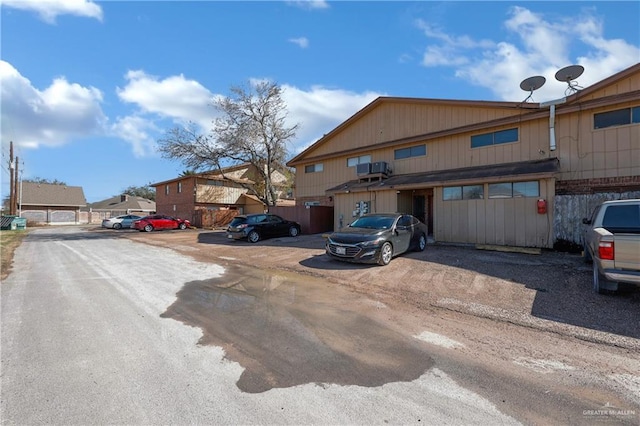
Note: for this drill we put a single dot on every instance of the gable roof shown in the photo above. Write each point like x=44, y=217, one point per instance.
x=125, y=202
x=212, y=174
x=46, y=194
x=391, y=99
x=534, y=111
x=606, y=82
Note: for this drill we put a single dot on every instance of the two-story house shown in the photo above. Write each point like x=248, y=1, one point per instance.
x=231, y=188
x=497, y=173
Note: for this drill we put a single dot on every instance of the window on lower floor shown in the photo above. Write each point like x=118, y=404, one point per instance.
x=619, y=117
x=514, y=189
x=467, y=192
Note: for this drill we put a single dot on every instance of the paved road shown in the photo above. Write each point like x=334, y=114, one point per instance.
x=100, y=329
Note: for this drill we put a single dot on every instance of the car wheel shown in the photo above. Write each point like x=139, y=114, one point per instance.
x=148, y=228
x=117, y=226
x=253, y=237
x=293, y=231
x=182, y=226
x=599, y=282
x=386, y=253
x=422, y=243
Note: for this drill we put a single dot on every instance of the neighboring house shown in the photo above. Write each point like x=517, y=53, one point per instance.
x=494, y=173
x=119, y=205
x=45, y=203
x=187, y=196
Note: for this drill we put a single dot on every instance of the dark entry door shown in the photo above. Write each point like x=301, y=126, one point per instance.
x=419, y=207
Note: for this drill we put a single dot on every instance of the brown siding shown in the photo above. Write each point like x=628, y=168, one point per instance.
x=392, y=121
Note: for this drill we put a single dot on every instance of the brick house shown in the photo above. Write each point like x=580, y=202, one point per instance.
x=199, y=196
x=481, y=172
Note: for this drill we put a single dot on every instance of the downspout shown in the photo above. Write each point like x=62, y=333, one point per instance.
x=552, y=120
x=552, y=128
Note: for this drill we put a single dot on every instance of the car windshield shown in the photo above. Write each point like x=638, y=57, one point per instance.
x=373, y=222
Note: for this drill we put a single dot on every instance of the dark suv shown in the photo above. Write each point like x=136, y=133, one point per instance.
x=256, y=227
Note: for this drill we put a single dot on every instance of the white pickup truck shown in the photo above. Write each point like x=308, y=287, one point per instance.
x=612, y=243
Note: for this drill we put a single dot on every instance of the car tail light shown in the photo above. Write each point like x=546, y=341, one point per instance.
x=605, y=250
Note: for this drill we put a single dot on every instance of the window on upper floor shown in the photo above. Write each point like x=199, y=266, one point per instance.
x=313, y=168
x=412, y=151
x=354, y=161
x=494, y=138
x=166, y=189
x=619, y=117
x=179, y=187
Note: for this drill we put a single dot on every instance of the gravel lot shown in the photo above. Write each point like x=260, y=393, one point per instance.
x=549, y=291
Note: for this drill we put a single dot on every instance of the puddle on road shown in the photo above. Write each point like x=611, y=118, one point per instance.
x=288, y=330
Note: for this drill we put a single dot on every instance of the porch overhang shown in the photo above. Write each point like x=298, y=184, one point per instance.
x=536, y=169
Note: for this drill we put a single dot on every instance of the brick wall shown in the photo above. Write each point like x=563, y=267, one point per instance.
x=598, y=185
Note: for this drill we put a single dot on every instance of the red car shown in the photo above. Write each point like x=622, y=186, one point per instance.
x=160, y=221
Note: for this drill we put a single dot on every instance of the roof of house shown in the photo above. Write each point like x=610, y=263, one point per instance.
x=213, y=175
x=544, y=166
x=534, y=111
x=46, y=194
x=125, y=202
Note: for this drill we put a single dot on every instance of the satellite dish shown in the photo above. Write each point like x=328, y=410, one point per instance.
x=532, y=83
x=567, y=74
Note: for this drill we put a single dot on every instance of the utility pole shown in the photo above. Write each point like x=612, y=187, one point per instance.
x=12, y=189
x=15, y=188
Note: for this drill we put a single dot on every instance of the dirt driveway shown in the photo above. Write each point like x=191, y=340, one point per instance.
x=550, y=291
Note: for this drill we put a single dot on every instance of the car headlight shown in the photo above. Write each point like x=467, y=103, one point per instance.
x=372, y=243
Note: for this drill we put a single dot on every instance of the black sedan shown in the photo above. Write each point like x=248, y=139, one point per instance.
x=255, y=227
x=377, y=238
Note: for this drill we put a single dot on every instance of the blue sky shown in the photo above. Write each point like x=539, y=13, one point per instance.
x=89, y=87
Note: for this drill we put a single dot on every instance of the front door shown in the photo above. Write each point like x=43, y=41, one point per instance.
x=419, y=207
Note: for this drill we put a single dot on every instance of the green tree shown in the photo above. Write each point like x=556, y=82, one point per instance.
x=250, y=129
x=148, y=192
x=45, y=180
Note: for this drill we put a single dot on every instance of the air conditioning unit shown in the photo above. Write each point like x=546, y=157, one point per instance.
x=363, y=169
x=380, y=167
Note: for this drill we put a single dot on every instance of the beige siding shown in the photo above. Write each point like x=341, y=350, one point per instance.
x=391, y=121
x=587, y=153
x=218, y=194
x=510, y=221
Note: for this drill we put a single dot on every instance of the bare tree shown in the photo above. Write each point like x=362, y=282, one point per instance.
x=250, y=129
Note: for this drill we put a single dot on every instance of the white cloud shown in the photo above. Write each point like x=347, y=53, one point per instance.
x=543, y=47
x=49, y=10
x=139, y=132
x=317, y=111
x=320, y=110
x=310, y=4
x=174, y=97
x=51, y=117
x=303, y=42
